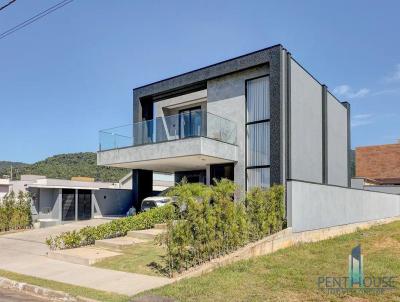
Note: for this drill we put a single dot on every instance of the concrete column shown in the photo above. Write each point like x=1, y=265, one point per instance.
x=76, y=204
x=92, y=204
x=142, y=186
x=60, y=205
x=208, y=175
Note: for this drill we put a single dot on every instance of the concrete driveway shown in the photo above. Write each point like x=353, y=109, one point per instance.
x=25, y=253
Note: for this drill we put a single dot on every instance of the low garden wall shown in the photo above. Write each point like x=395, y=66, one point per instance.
x=313, y=206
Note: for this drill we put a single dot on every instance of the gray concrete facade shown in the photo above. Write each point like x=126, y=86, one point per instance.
x=312, y=206
x=306, y=126
x=337, y=143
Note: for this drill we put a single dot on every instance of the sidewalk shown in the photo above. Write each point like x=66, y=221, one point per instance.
x=25, y=253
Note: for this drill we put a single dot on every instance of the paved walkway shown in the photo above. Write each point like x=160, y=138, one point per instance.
x=25, y=253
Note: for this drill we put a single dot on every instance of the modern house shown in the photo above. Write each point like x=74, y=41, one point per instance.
x=57, y=201
x=258, y=119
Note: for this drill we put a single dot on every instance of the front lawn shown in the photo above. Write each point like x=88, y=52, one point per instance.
x=291, y=274
x=144, y=258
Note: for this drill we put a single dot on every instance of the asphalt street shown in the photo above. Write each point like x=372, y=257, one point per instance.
x=8, y=295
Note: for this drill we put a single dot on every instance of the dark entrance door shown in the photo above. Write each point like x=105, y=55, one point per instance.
x=221, y=171
x=84, y=204
x=190, y=122
x=68, y=204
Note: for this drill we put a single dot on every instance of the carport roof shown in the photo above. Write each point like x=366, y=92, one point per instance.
x=61, y=187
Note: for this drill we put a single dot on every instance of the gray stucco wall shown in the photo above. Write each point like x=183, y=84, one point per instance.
x=337, y=164
x=315, y=206
x=306, y=125
x=112, y=201
x=49, y=204
x=226, y=97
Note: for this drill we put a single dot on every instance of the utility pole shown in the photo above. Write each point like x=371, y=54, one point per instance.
x=11, y=173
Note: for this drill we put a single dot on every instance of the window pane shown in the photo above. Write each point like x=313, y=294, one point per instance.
x=258, y=144
x=258, y=178
x=257, y=99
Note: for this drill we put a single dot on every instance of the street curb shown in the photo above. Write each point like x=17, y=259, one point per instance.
x=51, y=295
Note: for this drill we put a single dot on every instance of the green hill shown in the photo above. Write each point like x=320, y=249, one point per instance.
x=65, y=166
x=7, y=164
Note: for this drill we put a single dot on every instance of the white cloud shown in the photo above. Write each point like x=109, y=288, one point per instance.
x=362, y=119
x=362, y=116
x=395, y=76
x=387, y=91
x=347, y=92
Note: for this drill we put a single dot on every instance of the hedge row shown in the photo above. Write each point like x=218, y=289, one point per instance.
x=112, y=229
x=15, y=212
x=216, y=226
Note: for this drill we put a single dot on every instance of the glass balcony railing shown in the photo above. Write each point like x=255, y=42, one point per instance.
x=195, y=123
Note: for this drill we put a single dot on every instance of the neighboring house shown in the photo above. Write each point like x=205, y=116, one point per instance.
x=58, y=200
x=258, y=119
x=373, y=185
x=4, y=188
x=380, y=163
x=378, y=168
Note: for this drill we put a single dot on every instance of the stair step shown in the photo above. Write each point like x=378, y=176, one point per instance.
x=118, y=243
x=160, y=226
x=82, y=255
x=145, y=234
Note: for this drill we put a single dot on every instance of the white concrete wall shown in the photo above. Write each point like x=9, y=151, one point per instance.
x=306, y=125
x=337, y=142
x=314, y=206
x=226, y=97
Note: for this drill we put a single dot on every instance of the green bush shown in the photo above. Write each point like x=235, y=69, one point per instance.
x=114, y=228
x=265, y=211
x=213, y=225
x=15, y=212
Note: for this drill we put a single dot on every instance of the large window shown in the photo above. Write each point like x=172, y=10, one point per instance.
x=257, y=132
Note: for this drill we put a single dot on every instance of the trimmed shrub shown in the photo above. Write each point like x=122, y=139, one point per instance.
x=15, y=212
x=265, y=211
x=213, y=225
x=115, y=228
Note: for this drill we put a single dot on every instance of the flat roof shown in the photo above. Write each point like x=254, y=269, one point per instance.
x=242, y=62
x=41, y=186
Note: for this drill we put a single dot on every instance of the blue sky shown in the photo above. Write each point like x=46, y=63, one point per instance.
x=71, y=73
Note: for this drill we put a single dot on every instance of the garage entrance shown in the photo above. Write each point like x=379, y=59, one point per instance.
x=84, y=204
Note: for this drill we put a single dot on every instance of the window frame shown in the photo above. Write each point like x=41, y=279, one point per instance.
x=252, y=123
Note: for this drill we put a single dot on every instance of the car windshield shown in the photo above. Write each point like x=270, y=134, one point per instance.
x=165, y=192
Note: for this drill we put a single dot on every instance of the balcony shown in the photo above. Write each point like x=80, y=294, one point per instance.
x=171, y=143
